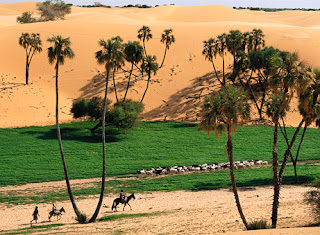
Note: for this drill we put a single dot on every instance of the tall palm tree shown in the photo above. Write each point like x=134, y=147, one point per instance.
x=168, y=39
x=257, y=39
x=286, y=72
x=32, y=44
x=107, y=56
x=150, y=66
x=57, y=54
x=118, y=61
x=229, y=107
x=234, y=42
x=221, y=46
x=144, y=34
x=133, y=53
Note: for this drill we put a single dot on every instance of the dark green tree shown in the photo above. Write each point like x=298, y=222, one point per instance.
x=149, y=65
x=144, y=34
x=32, y=44
x=167, y=38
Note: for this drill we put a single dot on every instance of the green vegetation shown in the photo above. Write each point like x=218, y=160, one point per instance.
x=275, y=9
x=31, y=154
x=122, y=216
x=195, y=182
x=257, y=224
x=53, y=9
x=33, y=229
x=26, y=18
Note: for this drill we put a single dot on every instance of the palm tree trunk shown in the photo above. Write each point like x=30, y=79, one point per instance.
x=233, y=180
x=114, y=85
x=223, y=75
x=27, y=71
x=275, y=164
x=149, y=75
x=164, y=56
x=75, y=208
x=144, y=47
x=95, y=215
x=297, y=155
x=128, y=85
x=215, y=70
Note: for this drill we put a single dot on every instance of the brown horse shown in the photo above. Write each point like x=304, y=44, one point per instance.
x=118, y=200
x=57, y=213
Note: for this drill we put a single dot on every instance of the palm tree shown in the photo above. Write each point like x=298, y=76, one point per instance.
x=144, y=34
x=168, y=39
x=286, y=72
x=234, y=42
x=133, y=53
x=228, y=107
x=31, y=44
x=210, y=51
x=149, y=65
x=108, y=55
x=257, y=39
x=118, y=61
x=221, y=46
x=57, y=55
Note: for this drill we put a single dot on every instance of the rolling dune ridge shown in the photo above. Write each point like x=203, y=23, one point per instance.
x=174, y=92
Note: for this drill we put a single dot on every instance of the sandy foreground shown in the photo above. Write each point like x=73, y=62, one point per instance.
x=175, y=90
x=204, y=212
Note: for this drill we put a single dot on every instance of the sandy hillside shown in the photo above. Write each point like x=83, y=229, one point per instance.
x=183, y=77
x=213, y=212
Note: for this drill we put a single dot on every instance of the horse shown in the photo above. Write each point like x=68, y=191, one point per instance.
x=57, y=213
x=118, y=200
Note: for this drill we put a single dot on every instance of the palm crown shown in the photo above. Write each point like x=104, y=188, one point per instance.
x=60, y=50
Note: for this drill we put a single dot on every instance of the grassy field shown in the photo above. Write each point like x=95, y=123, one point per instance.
x=31, y=154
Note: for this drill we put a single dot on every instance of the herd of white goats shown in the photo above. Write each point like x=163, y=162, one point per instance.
x=202, y=168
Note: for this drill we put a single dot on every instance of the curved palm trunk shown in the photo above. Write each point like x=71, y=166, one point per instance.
x=149, y=75
x=233, y=180
x=75, y=208
x=103, y=122
x=128, y=85
x=215, y=70
x=144, y=47
x=223, y=75
x=164, y=56
x=275, y=164
x=114, y=85
x=297, y=155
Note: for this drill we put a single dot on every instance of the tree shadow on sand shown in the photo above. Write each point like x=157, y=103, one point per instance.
x=97, y=84
x=186, y=103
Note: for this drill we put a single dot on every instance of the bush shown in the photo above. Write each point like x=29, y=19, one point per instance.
x=124, y=114
x=53, y=9
x=257, y=224
x=313, y=199
x=91, y=108
x=26, y=18
x=82, y=219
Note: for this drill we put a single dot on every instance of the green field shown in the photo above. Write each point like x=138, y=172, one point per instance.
x=31, y=154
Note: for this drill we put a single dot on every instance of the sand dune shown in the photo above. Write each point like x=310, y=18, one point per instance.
x=183, y=77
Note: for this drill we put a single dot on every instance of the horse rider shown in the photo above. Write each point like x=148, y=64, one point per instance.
x=123, y=197
x=54, y=209
x=35, y=215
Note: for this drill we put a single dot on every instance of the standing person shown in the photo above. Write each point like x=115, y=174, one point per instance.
x=35, y=215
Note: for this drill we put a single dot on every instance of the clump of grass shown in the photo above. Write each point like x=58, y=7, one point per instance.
x=313, y=199
x=82, y=218
x=257, y=224
x=121, y=216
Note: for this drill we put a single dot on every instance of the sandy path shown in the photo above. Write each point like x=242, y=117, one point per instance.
x=204, y=212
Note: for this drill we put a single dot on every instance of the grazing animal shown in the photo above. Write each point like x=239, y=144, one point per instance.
x=56, y=213
x=118, y=200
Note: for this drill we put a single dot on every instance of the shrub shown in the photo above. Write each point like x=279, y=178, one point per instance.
x=91, y=108
x=26, y=18
x=53, y=9
x=257, y=224
x=313, y=199
x=82, y=219
x=124, y=114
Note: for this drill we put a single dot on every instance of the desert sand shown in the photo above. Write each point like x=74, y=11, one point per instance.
x=181, y=212
x=174, y=90
x=171, y=96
